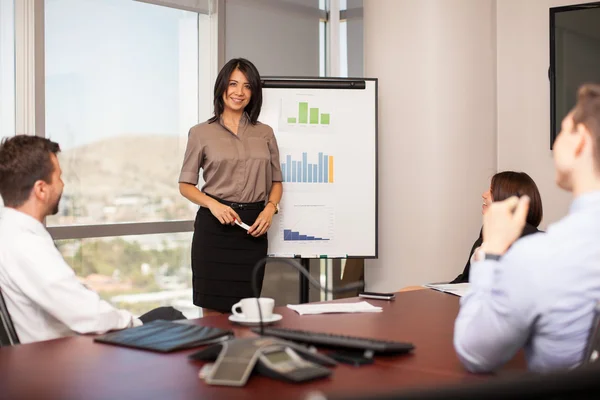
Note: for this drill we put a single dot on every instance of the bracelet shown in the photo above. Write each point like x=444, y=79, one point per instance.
x=274, y=206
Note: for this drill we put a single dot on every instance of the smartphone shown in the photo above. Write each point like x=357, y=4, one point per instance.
x=378, y=296
x=355, y=358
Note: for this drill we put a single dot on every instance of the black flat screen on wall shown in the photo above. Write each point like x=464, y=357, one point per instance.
x=574, y=57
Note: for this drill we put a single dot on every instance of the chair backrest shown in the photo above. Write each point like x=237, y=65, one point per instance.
x=8, y=334
x=592, y=350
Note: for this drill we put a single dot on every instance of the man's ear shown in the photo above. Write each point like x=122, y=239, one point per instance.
x=40, y=190
x=585, y=140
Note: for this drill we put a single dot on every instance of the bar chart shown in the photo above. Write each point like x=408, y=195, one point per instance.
x=302, y=171
x=309, y=115
x=307, y=223
x=290, y=235
x=305, y=115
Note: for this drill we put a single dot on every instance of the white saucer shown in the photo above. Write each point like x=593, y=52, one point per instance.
x=254, y=322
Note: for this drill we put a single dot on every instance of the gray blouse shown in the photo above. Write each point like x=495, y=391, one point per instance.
x=239, y=168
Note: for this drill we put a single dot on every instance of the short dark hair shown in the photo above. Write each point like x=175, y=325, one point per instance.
x=510, y=183
x=24, y=160
x=222, y=82
x=587, y=112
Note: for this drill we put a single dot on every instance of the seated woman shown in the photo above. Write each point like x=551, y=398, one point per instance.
x=504, y=185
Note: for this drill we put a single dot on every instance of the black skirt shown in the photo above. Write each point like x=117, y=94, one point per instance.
x=223, y=257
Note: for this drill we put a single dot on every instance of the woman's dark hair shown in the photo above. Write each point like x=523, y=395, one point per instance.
x=222, y=82
x=510, y=183
x=24, y=160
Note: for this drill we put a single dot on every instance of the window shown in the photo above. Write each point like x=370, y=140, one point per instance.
x=124, y=82
x=7, y=68
x=351, y=38
x=322, y=40
x=137, y=273
x=343, y=41
x=121, y=94
x=322, y=47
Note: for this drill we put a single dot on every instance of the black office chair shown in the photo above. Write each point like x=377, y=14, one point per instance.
x=8, y=334
x=592, y=351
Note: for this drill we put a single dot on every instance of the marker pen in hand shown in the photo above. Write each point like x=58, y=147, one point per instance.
x=243, y=225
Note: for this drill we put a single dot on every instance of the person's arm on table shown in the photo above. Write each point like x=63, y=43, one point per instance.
x=51, y=283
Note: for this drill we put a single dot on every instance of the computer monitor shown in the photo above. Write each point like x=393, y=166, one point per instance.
x=574, y=56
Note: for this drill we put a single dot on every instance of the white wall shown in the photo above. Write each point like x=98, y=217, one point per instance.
x=436, y=63
x=523, y=58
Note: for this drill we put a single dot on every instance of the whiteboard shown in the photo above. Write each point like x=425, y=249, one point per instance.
x=326, y=130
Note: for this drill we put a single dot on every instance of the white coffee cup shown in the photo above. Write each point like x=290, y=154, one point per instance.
x=249, y=308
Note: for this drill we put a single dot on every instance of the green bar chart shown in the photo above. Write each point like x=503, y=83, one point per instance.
x=302, y=113
x=309, y=115
x=314, y=116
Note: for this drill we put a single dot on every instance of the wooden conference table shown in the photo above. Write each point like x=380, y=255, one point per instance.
x=78, y=368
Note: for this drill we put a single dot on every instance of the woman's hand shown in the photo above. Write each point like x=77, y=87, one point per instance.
x=223, y=213
x=263, y=221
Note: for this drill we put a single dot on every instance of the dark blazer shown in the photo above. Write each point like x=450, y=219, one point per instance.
x=464, y=277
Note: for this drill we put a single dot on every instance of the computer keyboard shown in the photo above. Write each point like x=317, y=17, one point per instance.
x=333, y=340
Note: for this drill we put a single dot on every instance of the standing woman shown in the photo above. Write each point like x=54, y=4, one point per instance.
x=239, y=159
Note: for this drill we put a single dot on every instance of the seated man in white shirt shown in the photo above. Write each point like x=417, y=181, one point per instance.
x=43, y=296
x=540, y=292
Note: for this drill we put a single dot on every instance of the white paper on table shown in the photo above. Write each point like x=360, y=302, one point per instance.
x=326, y=308
x=457, y=289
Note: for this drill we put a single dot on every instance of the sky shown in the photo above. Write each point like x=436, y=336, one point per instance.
x=115, y=67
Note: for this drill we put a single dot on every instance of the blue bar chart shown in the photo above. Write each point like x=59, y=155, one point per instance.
x=290, y=235
x=301, y=171
x=307, y=223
